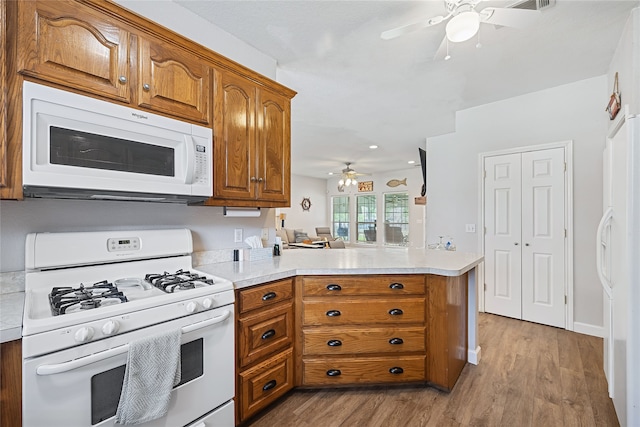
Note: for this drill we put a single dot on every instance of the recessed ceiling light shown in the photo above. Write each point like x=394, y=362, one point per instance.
x=373, y=147
x=330, y=173
x=411, y=162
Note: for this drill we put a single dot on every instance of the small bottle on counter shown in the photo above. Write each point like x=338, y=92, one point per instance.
x=276, y=250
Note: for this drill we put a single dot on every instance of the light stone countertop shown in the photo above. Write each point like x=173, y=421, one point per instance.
x=292, y=262
x=11, y=305
x=344, y=261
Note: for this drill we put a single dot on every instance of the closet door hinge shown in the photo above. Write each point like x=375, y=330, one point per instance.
x=565, y=300
x=565, y=166
x=565, y=233
x=485, y=174
x=485, y=287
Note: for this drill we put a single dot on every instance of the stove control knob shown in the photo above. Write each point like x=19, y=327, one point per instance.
x=111, y=327
x=207, y=303
x=192, y=307
x=84, y=334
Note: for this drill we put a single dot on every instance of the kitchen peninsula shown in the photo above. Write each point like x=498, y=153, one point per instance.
x=357, y=316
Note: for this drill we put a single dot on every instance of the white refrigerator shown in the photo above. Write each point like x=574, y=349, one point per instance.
x=618, y=266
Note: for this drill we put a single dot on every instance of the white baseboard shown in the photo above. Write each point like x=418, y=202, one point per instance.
x=473, y=356
x=587, y=329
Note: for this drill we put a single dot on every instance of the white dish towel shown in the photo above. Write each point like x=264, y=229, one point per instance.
x=153, y=369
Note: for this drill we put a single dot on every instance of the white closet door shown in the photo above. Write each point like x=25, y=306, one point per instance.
x=543, y=228
x=502, y=240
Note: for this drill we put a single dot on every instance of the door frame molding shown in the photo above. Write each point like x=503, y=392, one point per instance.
x=568, y=219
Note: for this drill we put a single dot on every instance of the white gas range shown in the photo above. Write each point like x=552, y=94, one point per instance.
x=89, y=294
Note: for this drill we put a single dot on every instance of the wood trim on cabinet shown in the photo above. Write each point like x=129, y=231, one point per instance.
x=3, y=98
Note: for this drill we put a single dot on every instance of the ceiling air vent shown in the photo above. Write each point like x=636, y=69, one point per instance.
x=533, y=4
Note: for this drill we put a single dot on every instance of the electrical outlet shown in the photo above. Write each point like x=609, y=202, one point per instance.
x=265, y=234
x=237, y=235
x=470, y=228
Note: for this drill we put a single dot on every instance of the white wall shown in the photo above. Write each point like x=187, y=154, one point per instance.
x=211, y=230
x=380, y=187
x=192, y=26
x=571, y=112
x=626, y=62
x=316, y=190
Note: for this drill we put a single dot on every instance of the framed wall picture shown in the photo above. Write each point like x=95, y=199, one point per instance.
x=365, y=186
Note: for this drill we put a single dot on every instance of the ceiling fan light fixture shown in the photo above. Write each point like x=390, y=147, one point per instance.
x=463, y=26
x=341, y=182
x=347, y=182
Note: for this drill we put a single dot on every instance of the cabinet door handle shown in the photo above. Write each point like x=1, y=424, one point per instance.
x=268, y=386
x=270, y=333
x=396, y=341
x=122, y=79
x=333, y=372
x=334, y=343
x=146, y=87
x=334, y=287
x=333, y=313
x=268, y=296
x=395, y=312
x=396, y=286
x=396, y=370
x=260, y=179
x=253, y=179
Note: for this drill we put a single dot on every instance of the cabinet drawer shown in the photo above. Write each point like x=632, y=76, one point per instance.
x=363, y=370
x=265, y=382
x=363, y=340
x=353, y=311
x=265, y=333
x=265, y=295
x=363, y=285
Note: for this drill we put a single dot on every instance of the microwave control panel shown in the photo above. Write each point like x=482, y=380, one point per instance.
x=201, y=175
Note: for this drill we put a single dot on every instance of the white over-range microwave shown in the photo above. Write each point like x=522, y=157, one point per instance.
x=83, y=148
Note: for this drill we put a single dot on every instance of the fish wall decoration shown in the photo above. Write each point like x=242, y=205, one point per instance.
x=396, y=182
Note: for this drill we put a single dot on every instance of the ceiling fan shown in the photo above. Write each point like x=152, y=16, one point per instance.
x=349, y=177
x=464, y=20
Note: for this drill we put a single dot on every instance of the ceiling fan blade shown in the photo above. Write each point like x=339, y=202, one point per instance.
x=516, y=18
x=410, y=28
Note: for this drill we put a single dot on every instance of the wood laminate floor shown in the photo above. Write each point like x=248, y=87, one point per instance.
x=529, y=375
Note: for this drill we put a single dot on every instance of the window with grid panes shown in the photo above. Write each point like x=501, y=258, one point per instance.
x=396, y=218
x=366, y=214
x=340, y=217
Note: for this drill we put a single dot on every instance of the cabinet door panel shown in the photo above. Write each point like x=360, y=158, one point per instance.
x=75, y=46
x=172, y=81
x=265, y=333
x=364, y=311
x=363, y=285
x=363, y=370
x=363, y=340
x=234, y=137
x=274, y=147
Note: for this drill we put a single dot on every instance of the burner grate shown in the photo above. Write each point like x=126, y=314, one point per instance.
x=66, y=298
x=178, y=281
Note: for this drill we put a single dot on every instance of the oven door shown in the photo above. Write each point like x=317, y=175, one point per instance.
x=81, y=386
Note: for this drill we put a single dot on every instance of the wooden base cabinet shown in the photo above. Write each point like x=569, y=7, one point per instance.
x=361, y=330
x=373, y=329
x=11, y=383
x=264, y=346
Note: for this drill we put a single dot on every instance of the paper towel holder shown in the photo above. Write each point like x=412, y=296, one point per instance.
x=241, y=212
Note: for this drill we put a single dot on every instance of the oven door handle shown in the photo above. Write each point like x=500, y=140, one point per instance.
x=59, y=368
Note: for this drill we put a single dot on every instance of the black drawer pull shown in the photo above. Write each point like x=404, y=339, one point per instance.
x=270, y=333
x=396, y=370
x=333, y=372
x=334, y=343
x=396, y=286
x=396, y=341
x=268, y=296
x=334, y=287
x=271, y=384
x=395, y=312
x=333, y=313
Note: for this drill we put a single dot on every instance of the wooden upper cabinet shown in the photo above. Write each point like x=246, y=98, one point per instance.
x=252, y=142
x=274, y=147
x=70, y=44
x=234, y=137
x=173, y=81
